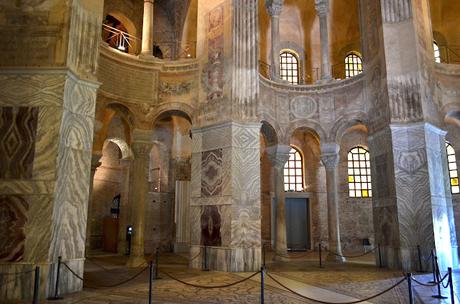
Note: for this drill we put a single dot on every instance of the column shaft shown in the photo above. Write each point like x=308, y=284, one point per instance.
x=138, y=191
x=95, y=162
x=322, y=8
x=147, y=27
x=330, y=159
x=275, y=34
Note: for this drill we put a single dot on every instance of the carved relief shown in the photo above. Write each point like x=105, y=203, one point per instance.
x=303, y=107
x=395, y=11
x=215, y=66
x=210, y=226
x=405, y=99
x=180, y=88
x=18, y=128
x=13, y=210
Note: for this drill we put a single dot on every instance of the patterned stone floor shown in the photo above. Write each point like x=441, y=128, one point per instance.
x=334, y=283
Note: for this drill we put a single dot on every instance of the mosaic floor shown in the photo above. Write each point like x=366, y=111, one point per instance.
x=334, y=283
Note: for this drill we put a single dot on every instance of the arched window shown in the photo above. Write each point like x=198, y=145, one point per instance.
x=437, y=52
x=359, y=173
x=293, y=171
x=353, y=65
x=289, y=67
x=453, y=172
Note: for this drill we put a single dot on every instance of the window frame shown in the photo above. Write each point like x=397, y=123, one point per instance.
x=436, y=52
x=352, y=68
x=357, y=180
x=292, y=164
x=453, y=169
x=289, y=70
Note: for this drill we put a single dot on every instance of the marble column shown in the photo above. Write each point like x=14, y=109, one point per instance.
x=322, y=9
x=274, y=8
x=95, y=163
x=141, y=147
x=330, y=159
x=279, y=155
x=147, y=27
x=125, y=165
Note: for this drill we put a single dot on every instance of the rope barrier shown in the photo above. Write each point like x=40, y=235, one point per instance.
x=351, y=256
x=325, y=302
x=424, y=284
x=292, y=257
x=106, y=286
x=72, y=272
x=210, y=287
x=16, y=273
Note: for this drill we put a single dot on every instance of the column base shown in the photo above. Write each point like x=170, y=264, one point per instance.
x=227, y=259
x=334, y=258
x=136, y=261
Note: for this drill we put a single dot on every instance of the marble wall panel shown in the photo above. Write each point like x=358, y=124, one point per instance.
x=210, y=226
x=38, y=227
x=32, y=90
x=196, y=175
x=13, y=218
x=18, y=127
x=46, y=146
x=211, y=173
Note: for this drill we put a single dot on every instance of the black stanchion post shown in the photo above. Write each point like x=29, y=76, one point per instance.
x=150, y=281
x=262, y=269
x=380, y=256
x=433, y=266
x=157, y=262
x=420, y=268
x=451, y=286
x=438, y=280
x=409, y=286
x=320, y=257
x=56, y=287
x=263, y=255
x=36, y=298
x=206, y=268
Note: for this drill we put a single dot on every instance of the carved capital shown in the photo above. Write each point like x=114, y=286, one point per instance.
x=278, y=155
x=330, y=161
x=330, y=155
x=274, y=7
x=322, y=7
x=142, y=144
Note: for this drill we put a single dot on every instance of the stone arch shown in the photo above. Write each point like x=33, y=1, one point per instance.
x=126, y=152
x=314, y=127
x=269, y=132
x=175, y=108
x=123, y=111
x=344, y=123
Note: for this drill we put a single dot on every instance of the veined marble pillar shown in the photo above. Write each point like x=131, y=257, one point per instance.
x=125, y=165
x=225, y=197
x=274, y=8
x=412, y=200
x=322, y=9
x=330, y=159
x=181, y=218
x=141, y=147
x=95, y=163
x=147, y=27
x=279, y=155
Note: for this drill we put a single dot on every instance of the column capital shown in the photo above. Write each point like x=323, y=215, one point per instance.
x=322, y=7
x=278, y=155
x=274, y=7
x=95, y=161
x=142, y=143
x=330, y=155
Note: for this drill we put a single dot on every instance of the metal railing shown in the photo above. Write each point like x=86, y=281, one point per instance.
x=450, y=54
x=117, y=38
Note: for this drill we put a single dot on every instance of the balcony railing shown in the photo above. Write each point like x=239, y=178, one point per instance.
x=173, y=50
x=118, y=39
x=450, y=54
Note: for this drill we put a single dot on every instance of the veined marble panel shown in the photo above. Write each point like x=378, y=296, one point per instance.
x=32, y=90
x=26, y=187
x=18, y=127
x=13, y=218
